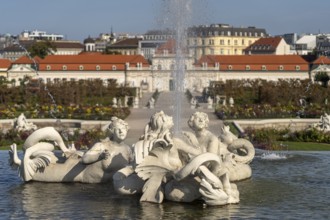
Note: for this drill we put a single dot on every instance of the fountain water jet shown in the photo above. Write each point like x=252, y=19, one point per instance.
x=37, y=75
x=178, y=19
x=198, y=165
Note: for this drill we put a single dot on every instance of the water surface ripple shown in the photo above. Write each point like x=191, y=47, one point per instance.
x=297, y=187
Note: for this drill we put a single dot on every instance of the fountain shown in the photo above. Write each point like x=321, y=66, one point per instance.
x=163, y=165
x=201, y=166
x=197, y=165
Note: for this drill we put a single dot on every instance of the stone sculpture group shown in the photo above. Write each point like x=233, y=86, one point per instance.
x=324, y=123
x=22, y=124
x=197, y=165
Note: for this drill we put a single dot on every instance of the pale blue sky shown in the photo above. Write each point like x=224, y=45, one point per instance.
x=78, y=19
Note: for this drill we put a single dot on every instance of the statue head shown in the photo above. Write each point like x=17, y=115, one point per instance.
x=118, y=129
x=160, y=121
x=198, y=121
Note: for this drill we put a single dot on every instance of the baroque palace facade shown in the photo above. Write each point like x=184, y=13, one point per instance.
x=135, y=70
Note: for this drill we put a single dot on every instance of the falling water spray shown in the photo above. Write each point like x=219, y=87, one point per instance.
x=178, y=19
x=37, y=74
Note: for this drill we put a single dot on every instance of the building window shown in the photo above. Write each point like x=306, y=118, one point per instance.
x=281, y=67
x=114, y=67
x=159, y=67
x=247, y=67
x=297, y=68
x=222, y=42
x=64, y=67
x=48, y=67
x=204, y=65
x=263, y=67
x=230, y=67
x=81, y=67
x=228, y=42
x=98, y=67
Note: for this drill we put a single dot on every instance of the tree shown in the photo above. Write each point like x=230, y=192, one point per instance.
x=42, y=49
x=322, y=77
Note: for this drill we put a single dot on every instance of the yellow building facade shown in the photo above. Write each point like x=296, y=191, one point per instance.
x=221, y=39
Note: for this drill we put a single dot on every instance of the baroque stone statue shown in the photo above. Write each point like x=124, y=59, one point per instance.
x=197, y=165
x=22, y=124
x=42, y=163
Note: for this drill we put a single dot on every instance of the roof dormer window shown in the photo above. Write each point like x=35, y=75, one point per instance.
x=114, y=67
x=98, y=67
x=48, y=67
x=281, y=67
x=297, y=67
x=64, y=67
x=81, y=67
x=263, y=67
x=230, y=67
x=247, y=67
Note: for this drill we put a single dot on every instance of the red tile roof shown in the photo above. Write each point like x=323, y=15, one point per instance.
x=322, y=60
x=68, y=44
x=5, y=64
x=91, y=62
x=169, y=46
x=255, y=62
x=265, y=44
x=27, y=60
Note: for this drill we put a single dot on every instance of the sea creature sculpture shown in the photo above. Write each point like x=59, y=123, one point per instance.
x=41, y=162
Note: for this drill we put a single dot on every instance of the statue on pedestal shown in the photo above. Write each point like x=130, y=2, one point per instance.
x=22, y=124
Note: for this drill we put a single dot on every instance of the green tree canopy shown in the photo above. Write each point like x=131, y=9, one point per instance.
x=42, y=49
x=322, y=77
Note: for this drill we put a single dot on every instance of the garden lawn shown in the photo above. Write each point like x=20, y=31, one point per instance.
x=306, y=146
